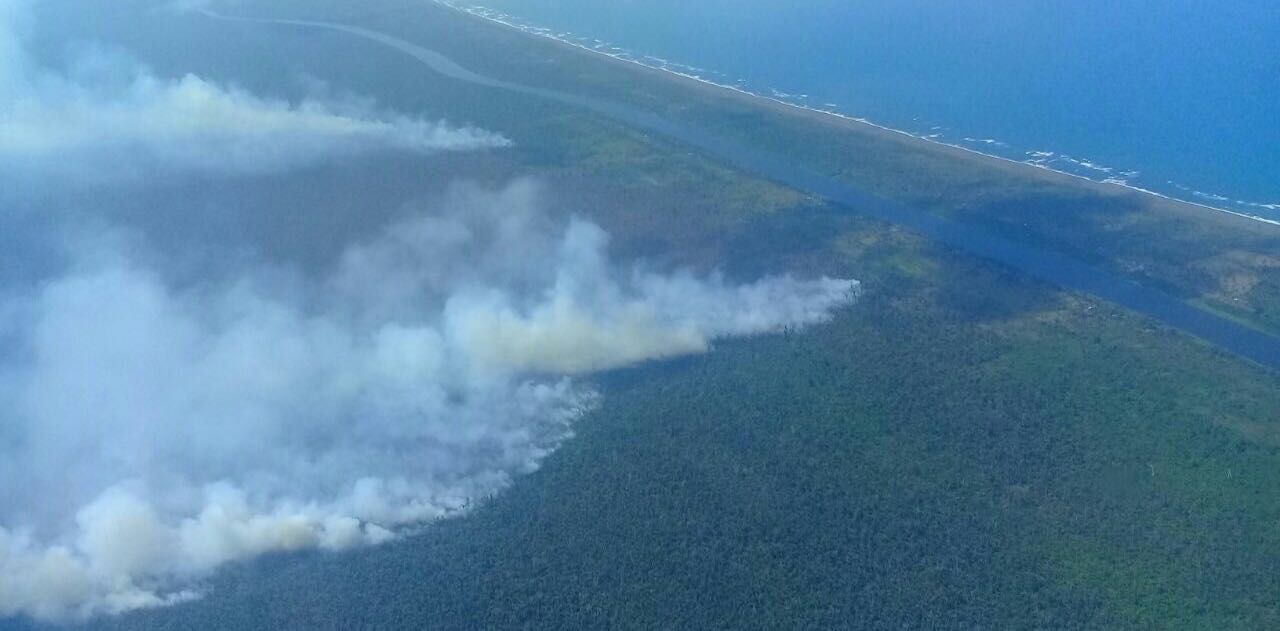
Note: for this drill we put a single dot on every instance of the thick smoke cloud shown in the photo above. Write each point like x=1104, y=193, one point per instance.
x=156, y=426
x=107, y=118
x=154, y=433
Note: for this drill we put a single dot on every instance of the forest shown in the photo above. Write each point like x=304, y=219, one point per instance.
x=961, y=448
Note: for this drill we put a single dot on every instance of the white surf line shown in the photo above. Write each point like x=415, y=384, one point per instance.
x=626, y=57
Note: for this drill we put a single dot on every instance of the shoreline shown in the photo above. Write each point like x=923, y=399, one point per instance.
x=833, y=117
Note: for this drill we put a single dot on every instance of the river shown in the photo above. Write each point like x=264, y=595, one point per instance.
x=1054, y=268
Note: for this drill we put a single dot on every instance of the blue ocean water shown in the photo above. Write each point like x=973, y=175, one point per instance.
x=1181, y=97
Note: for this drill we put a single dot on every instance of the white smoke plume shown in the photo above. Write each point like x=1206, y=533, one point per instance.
x=154, y=427
x=107, y=119
x=152, y=433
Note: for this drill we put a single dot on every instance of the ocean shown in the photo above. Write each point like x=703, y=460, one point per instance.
x=1178, y=97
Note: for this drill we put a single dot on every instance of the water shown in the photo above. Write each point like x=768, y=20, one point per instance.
x=1181, y=97
x=1054, y=268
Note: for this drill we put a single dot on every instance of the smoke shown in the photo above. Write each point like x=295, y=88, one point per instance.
x=153, y=433
x=156, y=426
x=108, y=118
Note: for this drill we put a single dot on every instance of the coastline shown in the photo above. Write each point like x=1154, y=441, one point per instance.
x=861, y=124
